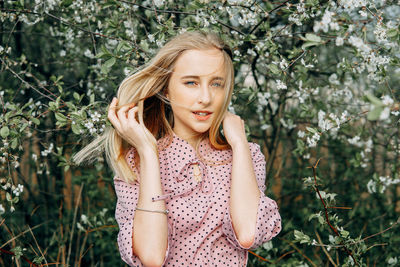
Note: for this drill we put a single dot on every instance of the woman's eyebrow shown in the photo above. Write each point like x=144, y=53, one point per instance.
x=197, y=77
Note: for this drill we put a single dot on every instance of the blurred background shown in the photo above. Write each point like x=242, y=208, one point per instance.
x=317, y=83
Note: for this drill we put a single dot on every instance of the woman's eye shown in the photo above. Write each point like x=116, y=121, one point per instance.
x=194, y=83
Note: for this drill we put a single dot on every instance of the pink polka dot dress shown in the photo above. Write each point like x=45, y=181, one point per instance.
x=200, y=230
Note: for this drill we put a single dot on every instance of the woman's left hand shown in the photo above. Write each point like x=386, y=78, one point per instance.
x=234, y=130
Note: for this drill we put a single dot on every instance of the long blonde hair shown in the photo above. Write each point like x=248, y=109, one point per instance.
x=147, y=88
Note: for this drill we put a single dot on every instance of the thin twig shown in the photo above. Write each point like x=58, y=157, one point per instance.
x=299, y=251
x=13, y=254
x=314, y=167
x=73, y=224
x=40, y=250
x=22, y=233
x=258, y=256
x=324, y=249
x=374, y=245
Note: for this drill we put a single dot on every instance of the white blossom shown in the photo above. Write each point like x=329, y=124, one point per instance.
x=306, y=65
x=392, y=261
x=387, y=100
x=380, y=33
x=88, y=53
x=355, y=141
x=151, y=38
x=326, y=23
x=19, y=189
x=362, y=13
x=349, y=5
x=384, y=114
x=95, y=116
x=280, y=85
x=371, y=186
x=312, y=142
x=339, y=41
x=45, y=152
x=283, y=64
x=159, y=3
x=333, y=79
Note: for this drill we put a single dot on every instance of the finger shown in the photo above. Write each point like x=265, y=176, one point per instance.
x=132, y=115
x=112, y=116
x=122, y=114
x=115, y=122
x=112, y=105
x=129, y=105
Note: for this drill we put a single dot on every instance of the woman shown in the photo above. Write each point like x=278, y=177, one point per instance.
x=187, y=195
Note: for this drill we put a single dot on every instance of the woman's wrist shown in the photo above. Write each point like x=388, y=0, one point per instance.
x=147, y=152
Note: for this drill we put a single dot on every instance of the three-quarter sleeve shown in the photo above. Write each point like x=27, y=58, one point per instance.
x=127, y=199
x=268, y=222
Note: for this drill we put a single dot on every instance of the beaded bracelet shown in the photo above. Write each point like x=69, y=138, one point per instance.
x=159, y=211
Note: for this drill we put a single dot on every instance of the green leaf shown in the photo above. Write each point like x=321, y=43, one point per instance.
x=60, y=117
x=122, y=44
x=4, y=132
x=109, y=63
x=92, y=98
x=344, y=233
x=312, y=2
x=23, y=127
x=374, y=114
x=14, y=143
x=274, y=68
x=321, y=220
x=105, y=68
x=75, y=129
x=391, y=33
x=35, y=121
x=308, y=44
x=312, y=130
x=374, y=100
x=301, y=237
x=313, y=38
x=76, y=96
x=38, y=260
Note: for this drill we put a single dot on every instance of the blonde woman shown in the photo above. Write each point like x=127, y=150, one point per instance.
x=187, y=195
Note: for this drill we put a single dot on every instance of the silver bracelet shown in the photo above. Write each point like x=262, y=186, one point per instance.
x=159, y=211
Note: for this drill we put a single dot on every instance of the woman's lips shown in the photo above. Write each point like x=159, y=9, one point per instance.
x=202, y=118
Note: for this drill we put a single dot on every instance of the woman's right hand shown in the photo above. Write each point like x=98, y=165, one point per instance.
x=124, y=121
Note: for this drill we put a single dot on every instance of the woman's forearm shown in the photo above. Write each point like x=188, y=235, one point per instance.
x=150, y=230
x=245, y=194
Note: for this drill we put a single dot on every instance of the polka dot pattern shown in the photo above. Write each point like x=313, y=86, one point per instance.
x=200, y=230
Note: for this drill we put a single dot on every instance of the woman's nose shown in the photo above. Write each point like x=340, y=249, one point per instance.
x=205, y=95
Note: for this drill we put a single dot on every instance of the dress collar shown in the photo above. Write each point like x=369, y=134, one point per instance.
x=181, y=172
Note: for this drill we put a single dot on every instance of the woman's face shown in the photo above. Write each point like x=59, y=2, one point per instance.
x=196, y=91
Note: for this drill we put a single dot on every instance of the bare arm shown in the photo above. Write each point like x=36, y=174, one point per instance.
x=245, y=194
x=150, y=228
